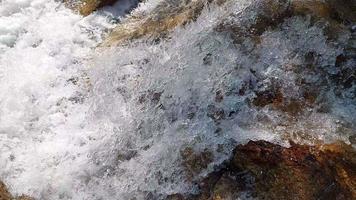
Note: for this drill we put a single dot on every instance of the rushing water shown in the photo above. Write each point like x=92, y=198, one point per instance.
x=76, y=123
x=44, y=139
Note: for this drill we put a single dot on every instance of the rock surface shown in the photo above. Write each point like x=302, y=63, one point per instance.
x=167, y=16
x=85, y=7
x=5, y=194
x=264, y=170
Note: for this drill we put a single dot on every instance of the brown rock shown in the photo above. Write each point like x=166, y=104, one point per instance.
x=343, y=11
x=165, y=17
x=85, y=7
x=24, y=197
x=337, y=13
x=195, y=162
x=269, y=171
x=226, y=188
x=305, y=172
x=5, y=194
x=168, y=15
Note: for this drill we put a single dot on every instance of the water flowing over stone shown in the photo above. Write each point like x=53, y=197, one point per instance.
x=85, y=7
x=264, y=170
x=161, y=103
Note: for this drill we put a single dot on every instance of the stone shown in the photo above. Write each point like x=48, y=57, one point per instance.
x=352, y=139
x=165, y=17
x=195, y=162
x=226, y=188
x=86, y=7
x=5, y=194
x=175, y=197
x=265, y=170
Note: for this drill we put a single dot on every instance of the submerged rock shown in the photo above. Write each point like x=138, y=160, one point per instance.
x=264, y=170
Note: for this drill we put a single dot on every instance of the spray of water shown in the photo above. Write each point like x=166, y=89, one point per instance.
x=80, y=123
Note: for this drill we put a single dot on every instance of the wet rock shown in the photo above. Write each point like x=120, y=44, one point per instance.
x=269, y=96
x=307, y=172
x=269, y=171
x=85, y=7
x=24, y=197
x=124, y=156
x=215, y=113
x=219, y=97
x=5, y=194
x=341, y=11
x=169, y=15
x=226, y=188
x=175, y=197
x=153, y=96
x=352, y=139
x=195, y=162
x=208, y=59
x=273, y=96
x=166, y=16
x=272, y=13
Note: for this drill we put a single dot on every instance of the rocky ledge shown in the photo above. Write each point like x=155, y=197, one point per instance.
x=263, y=170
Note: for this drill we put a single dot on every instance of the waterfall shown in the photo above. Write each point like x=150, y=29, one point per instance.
x=79, y=120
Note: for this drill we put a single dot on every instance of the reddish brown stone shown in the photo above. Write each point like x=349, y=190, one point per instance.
x=271, y=171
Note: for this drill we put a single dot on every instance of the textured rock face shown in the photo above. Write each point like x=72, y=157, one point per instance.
x=268, y=171
x=167, y=16
x=85, y=7
x=299, y=172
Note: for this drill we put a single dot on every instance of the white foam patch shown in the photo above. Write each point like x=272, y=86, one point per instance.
x=43, y=46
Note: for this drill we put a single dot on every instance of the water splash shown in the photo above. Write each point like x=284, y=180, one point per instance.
x=77, y=124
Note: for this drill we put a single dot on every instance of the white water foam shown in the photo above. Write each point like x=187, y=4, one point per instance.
x=81, y=125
